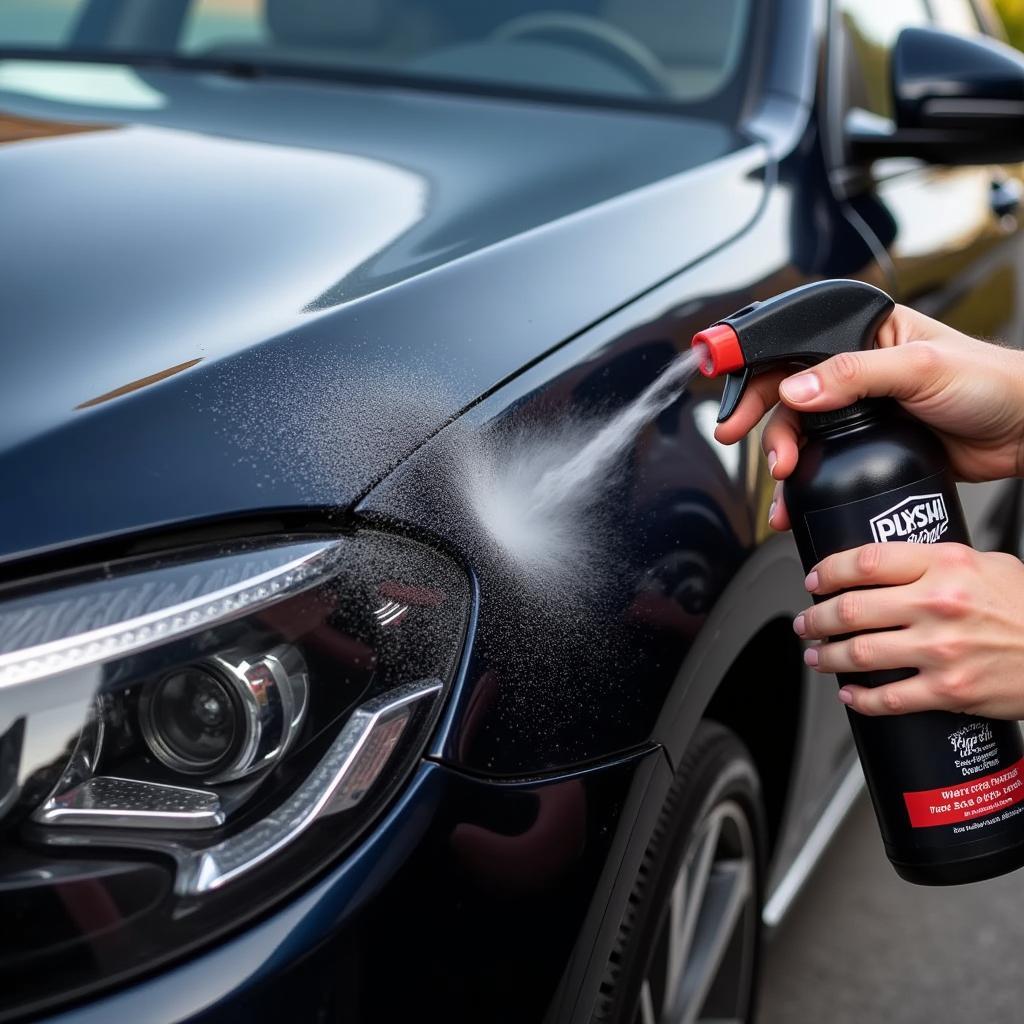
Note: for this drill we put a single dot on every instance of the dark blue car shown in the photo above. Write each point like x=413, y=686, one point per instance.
x=306, y=712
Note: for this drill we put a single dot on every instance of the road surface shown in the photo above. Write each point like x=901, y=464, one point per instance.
x=861, y=946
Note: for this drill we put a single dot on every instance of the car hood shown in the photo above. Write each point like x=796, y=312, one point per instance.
x=221, y=297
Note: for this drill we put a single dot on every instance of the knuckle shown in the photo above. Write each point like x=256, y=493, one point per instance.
x=845, y=367
x=892, y=700
x=922, y=358
x=869, y=558
x=949, y=602
x=862, y=651
x=956, y=556
x=955, y=687
x=848, y=608
x=949, y=651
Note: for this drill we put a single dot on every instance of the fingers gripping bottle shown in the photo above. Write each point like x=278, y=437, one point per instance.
x=948, y=789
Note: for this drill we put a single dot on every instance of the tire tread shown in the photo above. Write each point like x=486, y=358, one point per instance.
x=713, y=745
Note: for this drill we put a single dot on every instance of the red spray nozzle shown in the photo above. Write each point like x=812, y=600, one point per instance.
x=723, y=350
x=800, y=327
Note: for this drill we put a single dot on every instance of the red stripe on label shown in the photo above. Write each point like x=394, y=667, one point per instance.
x=965, y=801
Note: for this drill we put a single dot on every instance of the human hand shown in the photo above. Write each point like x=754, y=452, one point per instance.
x=970, y=392
x=949, y=611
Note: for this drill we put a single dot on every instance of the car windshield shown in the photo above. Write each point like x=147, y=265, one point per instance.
x=673, y=51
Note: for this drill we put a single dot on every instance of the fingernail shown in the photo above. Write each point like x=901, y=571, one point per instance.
x=800, y=625
x=801, y=388
x=772, y=459
x=845, y=697
x=811, y=583
x=771, y=510
x=811, y=656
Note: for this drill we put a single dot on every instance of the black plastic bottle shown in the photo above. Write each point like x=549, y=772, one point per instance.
x=948, y=789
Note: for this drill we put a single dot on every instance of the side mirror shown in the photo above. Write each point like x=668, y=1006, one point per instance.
x=957, y=100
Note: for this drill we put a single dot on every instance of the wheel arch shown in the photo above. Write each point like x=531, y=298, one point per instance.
x=768, y=719
x=741, y=672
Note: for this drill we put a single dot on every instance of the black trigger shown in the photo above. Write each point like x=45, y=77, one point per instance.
x=735, y=385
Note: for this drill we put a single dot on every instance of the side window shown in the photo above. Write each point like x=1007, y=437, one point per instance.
x=210, y=23
x=956, y=16
x=871, y=28
x=38, y=22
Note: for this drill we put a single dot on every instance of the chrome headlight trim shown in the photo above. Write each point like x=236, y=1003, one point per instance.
x=142, y=632
x=128, y=803
x=339, y=782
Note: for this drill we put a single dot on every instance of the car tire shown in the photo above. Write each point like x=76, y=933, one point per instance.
x=688, y=946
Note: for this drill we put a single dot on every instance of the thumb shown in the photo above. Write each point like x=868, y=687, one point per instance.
x=903, y=372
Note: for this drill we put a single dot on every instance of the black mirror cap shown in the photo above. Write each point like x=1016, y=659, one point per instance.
x=941, y=80
x=957, y=100
x=968, y=90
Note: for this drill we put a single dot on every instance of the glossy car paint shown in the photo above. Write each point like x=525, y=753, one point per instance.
x=440, y=887
x=310, y=280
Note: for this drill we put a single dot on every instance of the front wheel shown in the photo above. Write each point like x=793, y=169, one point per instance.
x=689, y=943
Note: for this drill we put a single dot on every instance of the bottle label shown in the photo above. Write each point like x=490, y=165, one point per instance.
x=938, y=780
x=978, y=798
x=919, y=519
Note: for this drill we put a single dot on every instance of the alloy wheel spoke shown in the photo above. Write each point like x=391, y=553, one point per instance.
x=726, y=897
x=647, y=1014
x=684, y=909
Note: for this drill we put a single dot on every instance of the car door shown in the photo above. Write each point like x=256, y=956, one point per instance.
x=950, y=234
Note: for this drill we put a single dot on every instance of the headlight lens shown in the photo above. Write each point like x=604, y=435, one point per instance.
x=185, y=740
x=192, y=720
x=228, y=717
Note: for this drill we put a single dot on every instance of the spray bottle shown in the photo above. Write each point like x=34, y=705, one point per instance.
x=948, y=789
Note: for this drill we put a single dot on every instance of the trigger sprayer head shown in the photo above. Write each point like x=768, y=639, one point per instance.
x=800, y=327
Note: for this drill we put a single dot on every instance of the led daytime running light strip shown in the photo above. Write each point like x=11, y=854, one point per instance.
x=145, y=631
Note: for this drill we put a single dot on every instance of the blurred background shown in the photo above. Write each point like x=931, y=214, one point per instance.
x=1012, y=13
x=861, y=945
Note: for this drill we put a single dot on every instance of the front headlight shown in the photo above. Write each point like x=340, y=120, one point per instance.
x=185, y=740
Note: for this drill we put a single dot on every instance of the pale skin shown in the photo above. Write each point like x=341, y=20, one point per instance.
x=954, y=614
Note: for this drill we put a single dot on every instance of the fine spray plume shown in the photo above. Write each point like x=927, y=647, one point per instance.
x=536, y=493
x=948, y=789
x=533, y=492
